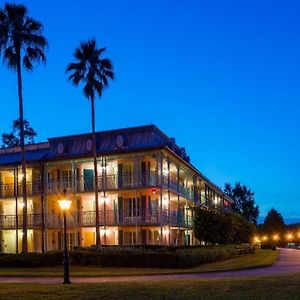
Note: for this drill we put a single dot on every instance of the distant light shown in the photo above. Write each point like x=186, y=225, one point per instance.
x=153, y=191
x=256, y=239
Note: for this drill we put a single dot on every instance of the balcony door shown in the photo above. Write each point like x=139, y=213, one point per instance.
x=66, y=179
x=145, y=168
x=88, y=177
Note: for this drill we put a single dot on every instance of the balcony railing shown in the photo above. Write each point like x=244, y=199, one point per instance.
x=86, y=184
x=141, y=217
x=10, y=221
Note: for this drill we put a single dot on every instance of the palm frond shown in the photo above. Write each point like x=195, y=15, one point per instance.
x=10, y=58
x=90, y=69
x=21, y=34
x=88, y=91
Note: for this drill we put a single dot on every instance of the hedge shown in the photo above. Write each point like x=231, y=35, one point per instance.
x=150, y=257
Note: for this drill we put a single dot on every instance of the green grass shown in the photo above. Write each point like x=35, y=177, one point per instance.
x=261, y=258
x=275, y=287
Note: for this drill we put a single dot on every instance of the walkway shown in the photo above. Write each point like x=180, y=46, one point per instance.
x=288, y=262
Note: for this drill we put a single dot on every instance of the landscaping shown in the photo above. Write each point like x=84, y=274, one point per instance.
x=142, y=257
x=261, y=258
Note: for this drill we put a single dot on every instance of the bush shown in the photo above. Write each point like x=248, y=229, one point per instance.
x=144, y=257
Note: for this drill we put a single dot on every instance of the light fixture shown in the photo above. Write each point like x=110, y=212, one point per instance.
x=166, y=231
x=64, y=204
x=103, y=199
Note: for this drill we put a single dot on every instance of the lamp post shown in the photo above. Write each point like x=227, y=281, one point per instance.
x=64, y=205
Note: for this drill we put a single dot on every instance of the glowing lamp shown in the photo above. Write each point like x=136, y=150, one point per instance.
x=64, y=204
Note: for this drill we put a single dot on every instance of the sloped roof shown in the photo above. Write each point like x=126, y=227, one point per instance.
x=15, y=157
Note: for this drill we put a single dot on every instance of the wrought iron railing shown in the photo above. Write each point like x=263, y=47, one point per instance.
x=86, y=184
x=10, y=221
x=121, y=217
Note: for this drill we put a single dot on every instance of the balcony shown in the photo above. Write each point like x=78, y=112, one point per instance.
x=109, y=183
x=11, y=190
x=141, y=217
x=10, y=221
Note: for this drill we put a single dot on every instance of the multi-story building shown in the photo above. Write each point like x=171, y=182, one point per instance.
x=147, y=189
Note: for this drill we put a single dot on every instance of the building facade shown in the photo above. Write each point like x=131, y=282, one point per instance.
x=147, y=189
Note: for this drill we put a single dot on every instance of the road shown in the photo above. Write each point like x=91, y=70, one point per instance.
x=288, y=262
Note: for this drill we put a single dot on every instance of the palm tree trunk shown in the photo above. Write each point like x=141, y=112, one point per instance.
x=23, y=158
x=98, y=240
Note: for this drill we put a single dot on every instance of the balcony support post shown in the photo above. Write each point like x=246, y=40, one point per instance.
x=42, y=190
x=161, y=196
x=16, y=199
x=104, y=166
x=45, y=205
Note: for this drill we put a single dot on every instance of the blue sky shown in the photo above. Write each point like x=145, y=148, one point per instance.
x=223, y=77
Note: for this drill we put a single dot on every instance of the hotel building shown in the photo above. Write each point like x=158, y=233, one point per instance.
x=147, y=189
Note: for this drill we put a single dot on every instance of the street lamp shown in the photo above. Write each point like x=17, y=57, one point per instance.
x=64, y=205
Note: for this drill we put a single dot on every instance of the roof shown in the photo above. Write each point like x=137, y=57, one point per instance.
x=14, y=158
x=114, y=141
x=108, y=142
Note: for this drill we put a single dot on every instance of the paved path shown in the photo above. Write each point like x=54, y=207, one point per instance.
x=288, y=262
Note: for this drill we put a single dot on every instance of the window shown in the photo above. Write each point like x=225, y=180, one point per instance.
x=132, y=207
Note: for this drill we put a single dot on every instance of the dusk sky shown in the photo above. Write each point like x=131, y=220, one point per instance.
x=222, y=77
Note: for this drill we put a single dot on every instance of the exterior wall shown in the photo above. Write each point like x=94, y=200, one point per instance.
x=145, y=198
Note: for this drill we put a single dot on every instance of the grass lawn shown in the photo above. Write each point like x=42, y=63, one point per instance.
x=261, y=258
x=276, y=287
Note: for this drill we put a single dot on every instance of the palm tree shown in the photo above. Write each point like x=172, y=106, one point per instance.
x=94, y=72
x=21, y=43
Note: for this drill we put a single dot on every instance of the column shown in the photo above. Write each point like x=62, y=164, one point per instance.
x=44, y=177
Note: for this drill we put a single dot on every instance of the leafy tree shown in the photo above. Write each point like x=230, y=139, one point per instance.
x=21, y=43
x=13, y=139
x=244, y=202
x=94, y=72
x=212, y=226
x=274, y=223
x=242, y=229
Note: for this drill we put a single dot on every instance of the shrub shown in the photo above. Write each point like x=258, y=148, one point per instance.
x=150, y=257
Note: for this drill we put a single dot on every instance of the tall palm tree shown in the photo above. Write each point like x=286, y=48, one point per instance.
x=94, y=72
x=21, y=43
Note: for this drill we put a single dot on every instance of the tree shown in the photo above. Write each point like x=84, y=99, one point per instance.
x=213, y=226
x=94, y=72
x=13, y=139
x=244, y=202
x=274, y=223
x=242, y=229
x=21, y=43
